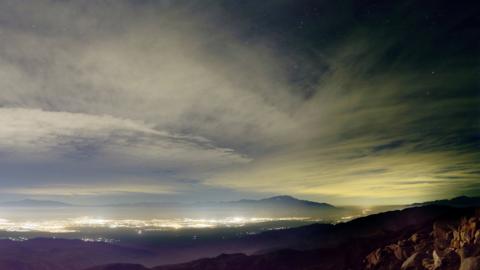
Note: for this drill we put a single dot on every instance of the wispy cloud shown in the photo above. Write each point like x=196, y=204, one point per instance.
x=96, y=92
x=77, y=136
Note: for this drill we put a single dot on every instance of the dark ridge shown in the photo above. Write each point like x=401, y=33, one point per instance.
x=461, y=201
x=34, y=203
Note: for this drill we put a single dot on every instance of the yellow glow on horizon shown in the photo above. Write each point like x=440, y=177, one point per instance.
x=393, y=178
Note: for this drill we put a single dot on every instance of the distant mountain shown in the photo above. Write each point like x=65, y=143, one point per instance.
x=462, y=201
x=285, y=201
x=144, y=204
x=278, y=206
x=278, y=202
x=34, y=203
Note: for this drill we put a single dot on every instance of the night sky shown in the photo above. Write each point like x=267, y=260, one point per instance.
x=348, y=102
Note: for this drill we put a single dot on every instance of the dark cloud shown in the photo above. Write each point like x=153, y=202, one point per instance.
x=388, y=146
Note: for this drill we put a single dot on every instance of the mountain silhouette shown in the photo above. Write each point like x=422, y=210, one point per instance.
x=34, y=203
x=285, y=200
x=461, y=201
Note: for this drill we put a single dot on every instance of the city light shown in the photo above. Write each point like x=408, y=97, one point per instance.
x=75, y=224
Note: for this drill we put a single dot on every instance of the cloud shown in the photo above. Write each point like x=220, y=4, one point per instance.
x=89, y=190
x=183, y=97
x=399, y=124
x=76, y=135
x=128, y=92
x=161, y=67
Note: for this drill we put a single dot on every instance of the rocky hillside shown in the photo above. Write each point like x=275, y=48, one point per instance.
x=426, y=237
x=448, y=244
x=429, y=237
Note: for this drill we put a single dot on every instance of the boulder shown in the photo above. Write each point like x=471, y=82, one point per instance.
x=449, y=261
x=382, y=258
x=414, y=262
x=470, y=263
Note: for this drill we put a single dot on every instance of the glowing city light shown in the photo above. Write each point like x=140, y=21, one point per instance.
x=75, y=224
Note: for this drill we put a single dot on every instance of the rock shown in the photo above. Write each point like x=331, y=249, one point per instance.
x=464, y=252
x=470, y=263
x=373, y=259
x=401, y=253
x=414, y=262
x=466, y=233
x=437, y=261
x=449, y=245
x=419, y=237
x=415, y=237
x=428, y=263
x=443, y=235
x=461, y=252
x=381, y=257
x=450, y=260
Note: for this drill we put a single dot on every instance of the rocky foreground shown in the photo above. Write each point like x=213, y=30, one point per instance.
x=448, y=244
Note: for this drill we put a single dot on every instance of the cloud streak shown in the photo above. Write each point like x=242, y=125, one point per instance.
x=129, y=98
x=78, y=135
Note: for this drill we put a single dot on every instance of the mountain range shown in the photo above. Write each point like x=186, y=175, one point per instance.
x=443, y=234
x=34, y=203
x=282, y=200
x=278, y=206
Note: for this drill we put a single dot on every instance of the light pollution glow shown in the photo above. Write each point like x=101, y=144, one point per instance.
x=75, y=224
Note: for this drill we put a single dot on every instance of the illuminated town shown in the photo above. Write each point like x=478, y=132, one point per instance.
x=74, y=224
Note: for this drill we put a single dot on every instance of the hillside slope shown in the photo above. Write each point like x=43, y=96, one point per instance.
x=429, y=237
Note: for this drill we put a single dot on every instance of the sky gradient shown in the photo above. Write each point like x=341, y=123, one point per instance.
x=348, y=102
